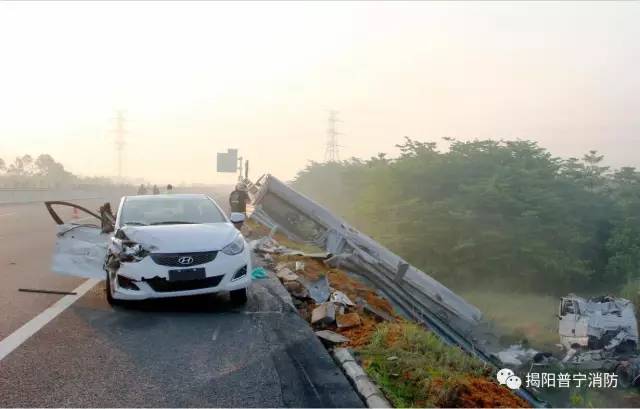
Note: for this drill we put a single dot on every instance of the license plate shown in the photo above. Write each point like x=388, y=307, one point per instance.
x=187, y=274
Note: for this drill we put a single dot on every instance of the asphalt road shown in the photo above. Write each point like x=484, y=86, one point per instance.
x=27, y=237
x=167, y=353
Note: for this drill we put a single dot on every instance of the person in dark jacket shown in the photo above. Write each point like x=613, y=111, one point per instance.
x=142, y=190
x=239, y=198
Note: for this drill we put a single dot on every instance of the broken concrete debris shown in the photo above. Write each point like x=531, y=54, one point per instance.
x=324, y=314
x=318, y=289
x=320, y=295
x=339, y=297
x=349, y=320
x=331, y=336
x=268, y=245
x=285, y=274
x=296, y=289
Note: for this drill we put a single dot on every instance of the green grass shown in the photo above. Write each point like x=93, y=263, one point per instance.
x=631, y=291
x=414, y=368
x=518, y=316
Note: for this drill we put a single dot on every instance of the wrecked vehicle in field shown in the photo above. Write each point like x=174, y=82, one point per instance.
x=598, y=323
x=156, y=246
x=600, y=333
x=597, y=334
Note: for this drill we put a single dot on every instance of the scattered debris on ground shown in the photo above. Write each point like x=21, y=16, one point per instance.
x=346, y=312
x=516, y=355
x=30, y=290
x=331, y=336
x=324, y=314
x=329, y=298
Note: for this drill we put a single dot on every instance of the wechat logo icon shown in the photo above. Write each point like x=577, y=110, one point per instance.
x=507, y=377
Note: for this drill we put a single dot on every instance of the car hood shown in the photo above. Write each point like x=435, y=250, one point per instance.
x=182, y=238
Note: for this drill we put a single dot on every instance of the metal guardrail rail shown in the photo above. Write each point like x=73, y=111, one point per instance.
x=419, y=296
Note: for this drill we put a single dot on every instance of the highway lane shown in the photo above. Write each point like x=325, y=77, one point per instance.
x=27, y=237
x=166, y=353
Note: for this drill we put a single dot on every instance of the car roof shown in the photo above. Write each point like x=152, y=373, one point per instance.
x=167, y=196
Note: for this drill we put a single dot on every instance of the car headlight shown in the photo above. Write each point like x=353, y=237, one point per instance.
x=235, y=247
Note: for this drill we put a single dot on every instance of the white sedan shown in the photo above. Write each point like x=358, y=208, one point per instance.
x=158, y=246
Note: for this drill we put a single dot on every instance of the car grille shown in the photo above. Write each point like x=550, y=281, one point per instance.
x=162, y=285
x=171, y=259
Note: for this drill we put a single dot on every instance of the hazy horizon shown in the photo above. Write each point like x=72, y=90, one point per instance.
x=198, y=78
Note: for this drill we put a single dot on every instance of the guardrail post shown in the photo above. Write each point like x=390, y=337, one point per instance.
x=401, y=271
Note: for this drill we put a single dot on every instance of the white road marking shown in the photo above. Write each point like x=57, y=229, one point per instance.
x=6, y=214
x=215, y=334
x=23, y=333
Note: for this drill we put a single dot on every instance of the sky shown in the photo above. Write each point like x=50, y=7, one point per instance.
x=198, y=78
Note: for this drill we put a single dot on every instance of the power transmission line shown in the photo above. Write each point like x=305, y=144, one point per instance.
x=331, y=153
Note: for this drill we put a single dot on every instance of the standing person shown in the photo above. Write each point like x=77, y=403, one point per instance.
x=142, y=190
x=169, y=188
x=238, y=199
x=156, y=191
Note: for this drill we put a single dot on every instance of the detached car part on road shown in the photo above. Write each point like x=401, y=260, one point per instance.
x=156, y=246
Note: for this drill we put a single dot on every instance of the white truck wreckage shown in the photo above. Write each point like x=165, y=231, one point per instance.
x=600, y=333
x=602, y=323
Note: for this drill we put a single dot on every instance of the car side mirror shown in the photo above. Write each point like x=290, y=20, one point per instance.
x=237, y=219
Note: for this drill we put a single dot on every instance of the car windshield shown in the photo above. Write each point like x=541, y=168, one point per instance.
x=143, y=211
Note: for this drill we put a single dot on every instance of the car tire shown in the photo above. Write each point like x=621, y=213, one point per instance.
x=110, y=299
x=238, y=297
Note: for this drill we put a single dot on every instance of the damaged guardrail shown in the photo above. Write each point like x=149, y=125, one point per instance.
x=303, y=219
x=417, y=295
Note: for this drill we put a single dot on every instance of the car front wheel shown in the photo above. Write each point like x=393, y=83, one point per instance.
x=239, y=297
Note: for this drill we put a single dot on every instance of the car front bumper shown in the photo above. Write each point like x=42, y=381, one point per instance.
x=151, y=279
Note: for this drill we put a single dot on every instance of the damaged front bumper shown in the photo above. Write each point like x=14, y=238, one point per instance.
x=144, y=279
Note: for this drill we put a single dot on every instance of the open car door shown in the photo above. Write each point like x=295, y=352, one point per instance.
x=82, y=239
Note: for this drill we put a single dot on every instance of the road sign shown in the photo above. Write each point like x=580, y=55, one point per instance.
x=228, y=161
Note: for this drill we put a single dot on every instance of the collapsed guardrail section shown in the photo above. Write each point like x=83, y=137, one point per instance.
x=416, y=294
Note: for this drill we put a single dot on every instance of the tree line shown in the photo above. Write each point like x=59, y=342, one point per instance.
x=42, y=172
x=501, y=214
